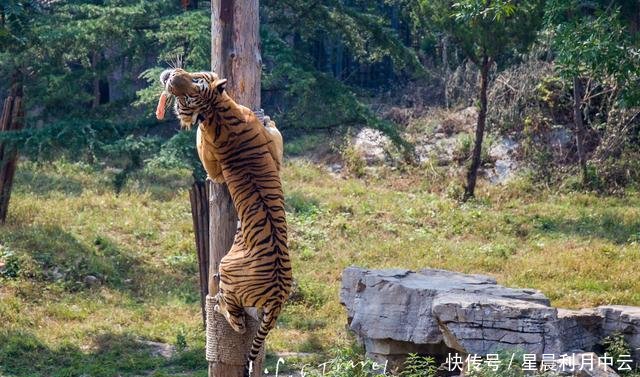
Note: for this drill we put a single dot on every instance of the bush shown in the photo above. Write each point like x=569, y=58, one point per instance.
x=418, y=366
x=353, y=161
x=177, y=153
x=464, y=149
x=613, y=174
x=9, y=263
x=615, y=345
x=523, y=91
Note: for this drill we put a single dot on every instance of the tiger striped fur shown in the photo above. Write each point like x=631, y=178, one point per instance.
x=236, y=148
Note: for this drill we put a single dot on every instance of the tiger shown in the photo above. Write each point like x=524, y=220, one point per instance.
x=237, y=149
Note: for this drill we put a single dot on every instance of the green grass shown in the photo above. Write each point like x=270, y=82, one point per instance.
x=66, y=223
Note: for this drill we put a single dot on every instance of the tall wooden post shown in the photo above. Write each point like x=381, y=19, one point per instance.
x=199, y=197
x=11, y=120
x=235, y=55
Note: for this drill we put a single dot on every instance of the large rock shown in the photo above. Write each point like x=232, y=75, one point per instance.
x=465, y=313
x=394, y=312
x=480, y=323
x=371, y=145
x=504, y=154
x=585, y=329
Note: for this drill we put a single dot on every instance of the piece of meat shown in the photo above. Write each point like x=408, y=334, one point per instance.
x=161, y=106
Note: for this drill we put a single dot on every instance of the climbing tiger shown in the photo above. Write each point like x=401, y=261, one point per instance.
x=236, y=148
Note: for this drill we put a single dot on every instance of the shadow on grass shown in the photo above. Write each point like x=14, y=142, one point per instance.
x=606, y=226
x=51, y=255
x=162, y=184
x=23, y=354
x=42, y=184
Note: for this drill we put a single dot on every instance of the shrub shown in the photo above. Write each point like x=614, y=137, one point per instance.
x=353, y=161
x=464, y=149
x=615, y=345
x=419, y=366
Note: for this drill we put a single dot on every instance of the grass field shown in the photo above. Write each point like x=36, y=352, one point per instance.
x=66, y=223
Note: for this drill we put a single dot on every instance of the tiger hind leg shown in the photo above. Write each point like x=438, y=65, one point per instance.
x=232, y=311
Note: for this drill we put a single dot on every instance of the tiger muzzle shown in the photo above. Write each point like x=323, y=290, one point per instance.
x=177, y=82
x=179, y=86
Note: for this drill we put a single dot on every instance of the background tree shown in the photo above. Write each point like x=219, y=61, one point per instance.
x=594, y=48
x=82, y=64
x=485, y=31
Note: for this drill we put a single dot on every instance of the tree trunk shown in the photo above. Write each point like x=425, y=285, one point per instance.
x=235, y=48
x=447, y=71
x=339, y=59
x=235, y=55
x=95, y=60
x=11, y=120
x=189, y=4
x=476, y=158
x=226, y=349
x=578, y=92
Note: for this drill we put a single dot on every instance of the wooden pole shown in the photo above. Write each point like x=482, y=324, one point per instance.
x=11, y=120
x=235, y=55
x=199, y=197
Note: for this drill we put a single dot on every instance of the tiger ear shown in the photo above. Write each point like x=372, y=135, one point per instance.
x=220, y=85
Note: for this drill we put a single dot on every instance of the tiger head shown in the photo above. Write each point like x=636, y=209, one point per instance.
x=194, y=93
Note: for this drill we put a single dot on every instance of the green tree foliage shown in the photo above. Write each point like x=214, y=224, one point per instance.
x=362, y=27
x=16, y=35
x=594, y=47
x=15, y=31
x=90, y=67
x=494, y=28
x=14, y=23
x=591, y=40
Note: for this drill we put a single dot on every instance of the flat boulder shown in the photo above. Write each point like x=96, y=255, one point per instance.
x=397, y=311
